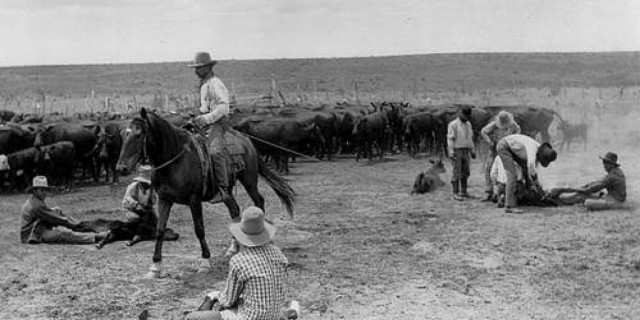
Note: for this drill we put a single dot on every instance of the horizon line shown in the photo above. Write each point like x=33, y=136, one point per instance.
x=321, y=58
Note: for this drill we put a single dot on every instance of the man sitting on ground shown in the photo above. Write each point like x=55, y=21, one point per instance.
x=591, y=194
x=41, y=224
x=139, y=200
x=255, y=283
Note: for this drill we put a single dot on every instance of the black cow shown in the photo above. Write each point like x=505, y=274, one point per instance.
x=345, y=119
x=571, y=132
x=274, y=134
x=325, y=121
x=20, y=166
x=82, y=137
x=395, y=112
x=58, y=162
x=15, y=137
x=424, y=126
x=107, y=149
x=370, y=131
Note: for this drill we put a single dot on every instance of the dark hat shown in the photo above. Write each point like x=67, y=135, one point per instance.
x=202, y=59
x=546, y=154
x=466, y=110
x=252, y=230
x=611, y=158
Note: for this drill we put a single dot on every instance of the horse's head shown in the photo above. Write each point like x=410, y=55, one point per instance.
x=151, y=138
x=134, y=140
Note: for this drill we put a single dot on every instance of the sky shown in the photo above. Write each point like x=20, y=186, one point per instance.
x=44, y=32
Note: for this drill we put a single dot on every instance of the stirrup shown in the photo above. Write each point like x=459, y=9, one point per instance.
x=219, y=196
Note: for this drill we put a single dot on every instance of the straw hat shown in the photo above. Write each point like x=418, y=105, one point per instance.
x=202, y=59
x=252, y=230
x=144, y=174
x=39, y=182
x=504, y=119
x=611, y=158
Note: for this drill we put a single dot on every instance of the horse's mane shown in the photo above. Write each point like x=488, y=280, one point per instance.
x=170, y=139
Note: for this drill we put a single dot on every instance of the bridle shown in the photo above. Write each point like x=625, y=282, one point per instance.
x=143, y=154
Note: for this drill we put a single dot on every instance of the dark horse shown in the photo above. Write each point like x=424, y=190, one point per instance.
x=177, y=176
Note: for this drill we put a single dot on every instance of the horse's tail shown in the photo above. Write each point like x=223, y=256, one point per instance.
x=279, y=185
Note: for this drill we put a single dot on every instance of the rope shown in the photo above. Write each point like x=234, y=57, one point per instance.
x=285, y=149
x=319, y=161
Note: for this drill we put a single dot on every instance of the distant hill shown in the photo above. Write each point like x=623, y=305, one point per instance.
x=416, y=73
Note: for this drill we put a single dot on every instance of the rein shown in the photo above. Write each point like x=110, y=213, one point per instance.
x=144, y=150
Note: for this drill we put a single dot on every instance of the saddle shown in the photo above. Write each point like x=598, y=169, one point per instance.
x=233, y=153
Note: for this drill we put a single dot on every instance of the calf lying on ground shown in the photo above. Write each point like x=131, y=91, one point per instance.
x=429, y=180
x=120, y=230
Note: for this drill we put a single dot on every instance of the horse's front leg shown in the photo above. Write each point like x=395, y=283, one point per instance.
x=234, y=212
x=164, y=208
x=198, y=226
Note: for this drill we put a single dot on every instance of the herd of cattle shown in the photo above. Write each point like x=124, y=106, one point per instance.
x=66, y=148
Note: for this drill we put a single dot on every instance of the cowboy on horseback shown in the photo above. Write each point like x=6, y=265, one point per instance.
x=214, y=109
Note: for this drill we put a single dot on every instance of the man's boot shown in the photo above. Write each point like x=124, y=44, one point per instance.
x=456, y=191
x=463, y=188
x=222, y=178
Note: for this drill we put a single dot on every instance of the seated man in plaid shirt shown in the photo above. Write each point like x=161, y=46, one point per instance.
x=255, y=283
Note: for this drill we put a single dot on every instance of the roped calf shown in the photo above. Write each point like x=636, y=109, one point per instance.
x=429, y=180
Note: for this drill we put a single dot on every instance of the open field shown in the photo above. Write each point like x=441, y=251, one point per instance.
x=360, y=246
x=546, y=79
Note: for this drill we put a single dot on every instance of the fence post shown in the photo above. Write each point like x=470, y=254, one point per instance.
x=355, y=86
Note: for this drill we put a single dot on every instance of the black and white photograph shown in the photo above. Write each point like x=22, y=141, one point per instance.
x=336, y=159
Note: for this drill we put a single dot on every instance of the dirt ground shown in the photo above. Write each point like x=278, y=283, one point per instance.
x=360, y=247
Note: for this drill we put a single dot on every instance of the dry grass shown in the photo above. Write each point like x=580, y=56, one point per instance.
x=362, y=248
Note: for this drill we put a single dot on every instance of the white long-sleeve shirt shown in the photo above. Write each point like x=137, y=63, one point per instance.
x=459, y=135
x=214, y=100
x=525, y=148
x=499, y=175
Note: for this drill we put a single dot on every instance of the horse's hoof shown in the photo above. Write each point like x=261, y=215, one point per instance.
x=205, y=265
x=155, y=271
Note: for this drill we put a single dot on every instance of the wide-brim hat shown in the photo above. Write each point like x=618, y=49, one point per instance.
x=252, y=230
x=202, y=59
x=144, y=174
x=546, y=154
x=503, y=115
x=38, y=182
x=611, y=158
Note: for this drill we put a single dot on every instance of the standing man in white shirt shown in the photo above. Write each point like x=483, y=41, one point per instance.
x=214, y=109
x=527, y=153
x=461, y=149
